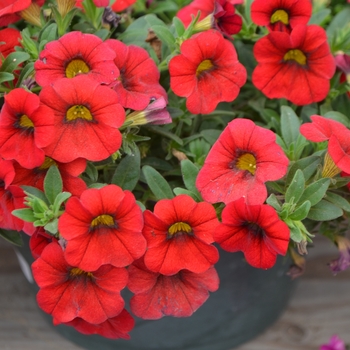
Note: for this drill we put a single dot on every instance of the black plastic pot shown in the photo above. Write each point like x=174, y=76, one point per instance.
x=248, y=301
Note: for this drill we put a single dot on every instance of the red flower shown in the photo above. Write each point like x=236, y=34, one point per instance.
x=179, y=233
x=205, y=74
x=69, y=173
x=24, y=125
x=67, y=292
x=88, y=116
x=102, y=227
x=11, y=198
x=323, y=129
x=297, y=67
x=121, y=5
x=243, y=158
x=178, y=295
x=114, y=328
x=39, y=241
x=225, y=19
x=343, y=63
x=138, y=83
x=256, y=230
x=9, y=38
x=206, y=7
x=9, y=10
x=281, y=15
x=74, y=54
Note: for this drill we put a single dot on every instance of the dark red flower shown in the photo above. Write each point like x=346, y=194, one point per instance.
x=87, y=118
x=297, y=67
x=9, y=38
x=179, y=234
x=67, y=292
x=68, y=171
x=342, y=61
x=113, y=328
x=121, y=5
x=178, y=295
x=256, y=230
x=76, y=53
x=104, y=226
x=225, y=19
x=38, y=241
x=206, y=72
x=138, y=83
x=24, y=125
x=240, y=162
x=281, y=15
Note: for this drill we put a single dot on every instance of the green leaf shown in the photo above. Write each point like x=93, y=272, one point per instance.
x=165, y=6
x=91, y=172
x=161, y=30
x=13, y=60
x=179, y=190
x=319, y=16
x=25, y=73
x=11, y=236
x=25, y=214
x=35, y=192
x=274, y=202
x=296, y=187
x=157, y=184
x=295, y=234
x=339, y=117
x=290, y=125
x=308, y=165
x=301, y=212
x=179, y=26
x=338, y=201
x=29, y=44
x=127, y=173
x=5, y=76
x=60, y=198
x=165, y=133
x=52, y=226
x=339, y=21
x=315, y=191
x=189, y=175
x=211, y=135
x=53, y=183
x=324, y=211
x=49, y=33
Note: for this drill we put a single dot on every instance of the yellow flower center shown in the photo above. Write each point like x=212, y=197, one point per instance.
x=204, y=66
x=78, y=112
x=330, y=169
x=48, y=162
x=179, y=228
x=25, y=122
x=75, y=67
x=103, y=220
x=280, y=16
x=246, y=162
x=295, y=55
x=75, y=271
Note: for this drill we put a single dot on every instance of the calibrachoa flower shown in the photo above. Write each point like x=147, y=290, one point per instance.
x=240, y=162
x=343, y=262
x=205, y=74
x=67, y=292
x=103, y=226
x=138, y=83
x=121, y=5
x=281, y=15
x=25, y=128
x=179, y=234
x=9, y=38
x=114, y=328
x=87, y=118
x=335, y=343
x=338, y=152
x=256, y=230
x=69, y=172
x=178, y=295
x=296, y=66
x=9, y=10
x=205, y=7
x=342, y=61
x=74, y=54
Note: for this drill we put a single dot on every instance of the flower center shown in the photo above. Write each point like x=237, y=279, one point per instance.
x=75, y=67
x=254, y=228
x=48, y=162
x=78, y=111
x=179, y=228
x=246, y=162
x=295, y=55
x=75, y=271
x=204, y=66
x=280, y=16
x=25, y=122
x=103, y=220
